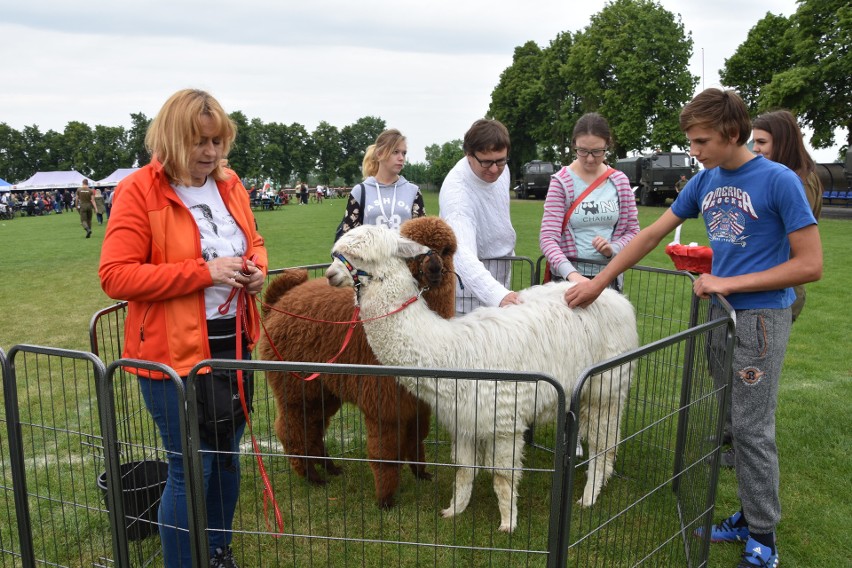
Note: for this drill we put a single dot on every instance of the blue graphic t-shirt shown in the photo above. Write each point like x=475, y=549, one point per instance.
x=748, y=213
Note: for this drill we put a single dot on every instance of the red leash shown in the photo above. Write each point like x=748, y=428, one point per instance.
x=354, y=319
x=243, y=305
x=351, y=323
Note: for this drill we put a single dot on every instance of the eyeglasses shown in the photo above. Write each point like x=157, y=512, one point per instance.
x=597, y=152
x=488, y=163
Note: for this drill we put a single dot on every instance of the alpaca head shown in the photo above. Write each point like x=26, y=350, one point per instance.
x=430, y=269
x=370, y=252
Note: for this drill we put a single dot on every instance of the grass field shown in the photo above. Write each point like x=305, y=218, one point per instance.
x=50, y=290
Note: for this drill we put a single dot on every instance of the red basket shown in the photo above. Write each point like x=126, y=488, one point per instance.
x=697, y=259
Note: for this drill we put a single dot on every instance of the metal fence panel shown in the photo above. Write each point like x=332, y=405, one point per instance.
x=520, y=272
x=667, y=466
x=56, y=458
x=338, y=521
x=10, y=551
x=663, y=486
x=137, y=462
x=314, y=270
x=106, y=332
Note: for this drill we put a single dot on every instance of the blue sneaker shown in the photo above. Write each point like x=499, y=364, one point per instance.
x=757, y=554
x=727, y=531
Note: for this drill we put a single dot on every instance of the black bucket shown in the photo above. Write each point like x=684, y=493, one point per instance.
x=142, y=484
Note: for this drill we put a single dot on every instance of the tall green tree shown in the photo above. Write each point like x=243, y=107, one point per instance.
x=802, y=63
x=354, y=140
x=329, y=151
x=303, y=151
x=441, y=159
x=767, y=49
x=57, y=154
x=108, y=150
x=559, y=107
x=77, y=142
x=816, y=84
x=275, y=153
x=516, y=101
x=138, y=153
x=13, y=163
x=240, y=158
x=631, y=65
x=35, y=153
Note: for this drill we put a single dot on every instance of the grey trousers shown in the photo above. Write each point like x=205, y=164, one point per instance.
x=759, y=349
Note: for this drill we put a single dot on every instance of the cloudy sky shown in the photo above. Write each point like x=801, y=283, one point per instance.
x=427, y=68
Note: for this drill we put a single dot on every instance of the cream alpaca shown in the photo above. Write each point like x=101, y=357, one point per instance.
x=541, y=334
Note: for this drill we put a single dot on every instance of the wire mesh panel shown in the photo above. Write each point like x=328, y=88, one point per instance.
x=10, y=551
x=106, y=332
x=667, y=465
x=519, y=271
x=341, y=518
x=56, y=460
x=138, y=458
x=314, y=270
x=141, y=461
x=332, y=480
x=662, y=297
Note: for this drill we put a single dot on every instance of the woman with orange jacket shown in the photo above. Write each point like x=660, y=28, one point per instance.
x=181, y=238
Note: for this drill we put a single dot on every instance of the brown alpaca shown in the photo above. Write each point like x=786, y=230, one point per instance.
x=396, y=421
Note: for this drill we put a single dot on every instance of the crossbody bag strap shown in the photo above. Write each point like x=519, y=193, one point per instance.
x=592, y=186
x=363, y=201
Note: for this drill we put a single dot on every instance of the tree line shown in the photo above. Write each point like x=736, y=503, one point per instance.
x=630, y=63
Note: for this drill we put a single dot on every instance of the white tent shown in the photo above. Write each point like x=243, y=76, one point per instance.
x=42, y=181
x=112, y=179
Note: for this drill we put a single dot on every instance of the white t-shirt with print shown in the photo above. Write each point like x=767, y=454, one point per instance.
x=220, y=236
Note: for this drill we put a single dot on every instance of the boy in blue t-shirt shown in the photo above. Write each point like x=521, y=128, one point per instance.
x=765, y=241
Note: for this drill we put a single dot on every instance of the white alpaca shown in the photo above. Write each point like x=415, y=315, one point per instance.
x=488, y=418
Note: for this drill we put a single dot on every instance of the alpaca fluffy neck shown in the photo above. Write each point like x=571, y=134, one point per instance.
x=397, y=339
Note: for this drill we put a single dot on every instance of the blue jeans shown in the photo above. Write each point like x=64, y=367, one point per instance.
x=221, y=479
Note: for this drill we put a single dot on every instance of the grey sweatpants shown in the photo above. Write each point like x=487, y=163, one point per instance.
x=759, y=349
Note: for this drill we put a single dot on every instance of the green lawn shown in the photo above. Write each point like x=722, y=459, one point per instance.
x=50, y=290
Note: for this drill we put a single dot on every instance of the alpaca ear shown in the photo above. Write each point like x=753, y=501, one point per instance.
x=407, y=248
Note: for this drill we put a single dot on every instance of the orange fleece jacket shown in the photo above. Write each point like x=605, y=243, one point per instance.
x=151, y=257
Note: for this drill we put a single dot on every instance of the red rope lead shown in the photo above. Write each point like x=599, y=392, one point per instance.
x=243, y=305
x=351, y=323
x=354, y=319
x=346, y=339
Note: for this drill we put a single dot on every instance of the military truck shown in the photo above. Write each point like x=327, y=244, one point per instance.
x=535, y=179
x=654, y=176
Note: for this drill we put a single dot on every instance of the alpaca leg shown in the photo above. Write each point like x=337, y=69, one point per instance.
x=508, y=460
x=301, y=427
x=383, y=452
x=330, y=406
x=290, y=428
x=464, y=453
x=416, y=432
x=603, y=436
